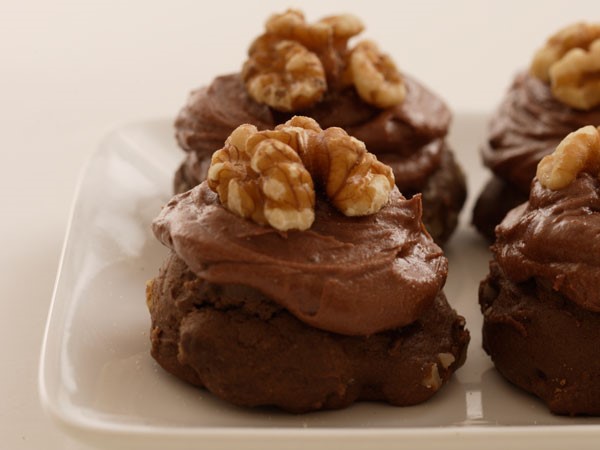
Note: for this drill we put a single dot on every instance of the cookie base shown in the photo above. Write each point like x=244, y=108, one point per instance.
x=247, y=350
x=542, y=342
x=495, y=200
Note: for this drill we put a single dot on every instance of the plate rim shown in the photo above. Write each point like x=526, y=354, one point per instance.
x=90, y=430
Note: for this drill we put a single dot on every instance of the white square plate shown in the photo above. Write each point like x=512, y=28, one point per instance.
x=98, y=381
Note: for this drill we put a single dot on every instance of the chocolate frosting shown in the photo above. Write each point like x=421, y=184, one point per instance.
x=527, y=126
x=348, y=275
x=554, y=239
x=409, y=137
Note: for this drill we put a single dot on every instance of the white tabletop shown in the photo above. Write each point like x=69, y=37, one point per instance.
x=72, y=71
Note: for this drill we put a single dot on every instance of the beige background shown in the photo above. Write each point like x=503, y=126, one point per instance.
x=73, y=70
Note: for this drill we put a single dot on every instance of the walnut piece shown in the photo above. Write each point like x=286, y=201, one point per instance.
x=267, y=176
x=265, y=181
x=446, y=359
x=375, y=76
x=570, y=63
x=327, y=38
x=578, y=35
x=289, y=195
x=356, y=183
x=343, y=26
x=578, y=152
x=291, y=25
x=432, y=379
x=576, y=77
x=290, y=64
x=295, y=75
x=284, y=75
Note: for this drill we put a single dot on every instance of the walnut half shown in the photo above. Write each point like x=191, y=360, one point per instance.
x=356, y=183
x=375, y=76
x=284, y=75
x=293, y=63
x=290, y=65
x=267, y=176
x=576, y=77
x=578, y=152
x=263, y=180
x=570, y=63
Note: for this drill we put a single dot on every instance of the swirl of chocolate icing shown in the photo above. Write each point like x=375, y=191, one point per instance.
x=554, y=238
x=348, y=275
x=409, y=137
x=527, y=126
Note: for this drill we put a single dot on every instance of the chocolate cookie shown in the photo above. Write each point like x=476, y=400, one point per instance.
x=408, y=134
x=301, y=278
x=495, y=200
x=344, y=309
x=542, y=342
x=443, y=196
x=528, y=125
x=250, y=351
x=541, y=300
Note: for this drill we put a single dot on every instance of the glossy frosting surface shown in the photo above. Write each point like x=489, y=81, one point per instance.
x=527, y=126
x=354, y=276
x=555, y=238
x=409, y=137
